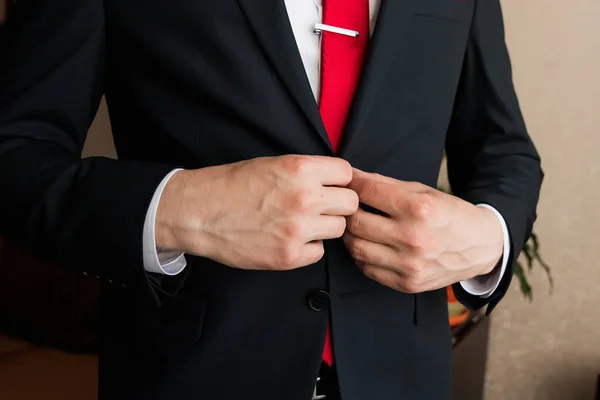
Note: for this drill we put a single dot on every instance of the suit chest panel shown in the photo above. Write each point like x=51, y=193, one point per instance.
x=207, y=50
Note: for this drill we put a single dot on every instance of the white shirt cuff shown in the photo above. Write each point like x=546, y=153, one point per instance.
x=156, y=260
x=485, y=285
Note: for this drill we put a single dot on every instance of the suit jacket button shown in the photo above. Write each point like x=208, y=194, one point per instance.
x=319, y=300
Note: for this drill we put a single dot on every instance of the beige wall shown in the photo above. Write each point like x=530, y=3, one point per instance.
x=2, y=10
x=549, y=349
x=99, y=141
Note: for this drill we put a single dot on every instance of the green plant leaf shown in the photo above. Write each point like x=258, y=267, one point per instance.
x=524, y=283
x=538, y=257
x=527, y=253
x=536, y=243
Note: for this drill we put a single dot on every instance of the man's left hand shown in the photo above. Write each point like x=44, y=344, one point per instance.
x=427, y=241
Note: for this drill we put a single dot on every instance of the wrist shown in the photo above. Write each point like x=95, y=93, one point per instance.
x=490, y=268
x=182, y=212
x=492, y=231
x=168, y=211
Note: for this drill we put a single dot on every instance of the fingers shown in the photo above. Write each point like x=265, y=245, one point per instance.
x=390, y=267
x=311, y=253
x=373, y=227
x=399, y=200
x=357, y=173
x=368, y=252
x=333, y=171
x=409, y=235
x=329, y=171
x=324, y=227
x=293, y=257
x=322, y=201
x=339, y=201
x=404, y=283
x=410, y=186
x=386, y=277
x=384, y=196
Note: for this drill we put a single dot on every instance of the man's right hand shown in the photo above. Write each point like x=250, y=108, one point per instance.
x=269, y=213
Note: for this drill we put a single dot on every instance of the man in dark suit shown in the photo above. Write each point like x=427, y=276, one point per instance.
x=272, y=220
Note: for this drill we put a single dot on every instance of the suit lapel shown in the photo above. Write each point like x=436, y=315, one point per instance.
x=392, y=27
x=270, y=22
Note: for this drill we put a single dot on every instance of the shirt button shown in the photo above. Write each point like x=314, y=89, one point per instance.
x=319, y=300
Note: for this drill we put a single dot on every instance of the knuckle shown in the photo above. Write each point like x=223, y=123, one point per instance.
x=370, y=272
x=292, y=230
x=357, y=249
x=319, y=254
x=368, y=190
x=420, y=248
x=302, y=200
x=341, y=228
x=413, y=268
x=346, y=170
x=422, y=207
x=378, y=258
x=418, y=277
x=412, y=238
x=418, y=242
x=354, y=223
x=353, y=201
x=288, y=257
x=398, y=284
x=409, y=286
x=410, y=282
x=296, y=164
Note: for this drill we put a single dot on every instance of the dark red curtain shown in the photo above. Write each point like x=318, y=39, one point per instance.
x=46, y=304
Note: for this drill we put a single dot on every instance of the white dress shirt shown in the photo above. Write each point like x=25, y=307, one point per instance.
x=303, y=14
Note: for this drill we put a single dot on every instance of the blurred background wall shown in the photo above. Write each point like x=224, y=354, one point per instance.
x=550, y=348
x=99, y=141
x=2, y=10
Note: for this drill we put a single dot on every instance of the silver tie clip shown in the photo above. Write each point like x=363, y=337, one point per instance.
x=319, y=28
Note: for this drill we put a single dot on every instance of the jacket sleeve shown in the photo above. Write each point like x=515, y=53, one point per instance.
x=491, y=158
x=88, y=214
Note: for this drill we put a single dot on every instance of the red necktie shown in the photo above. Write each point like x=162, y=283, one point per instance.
x=341, y=62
